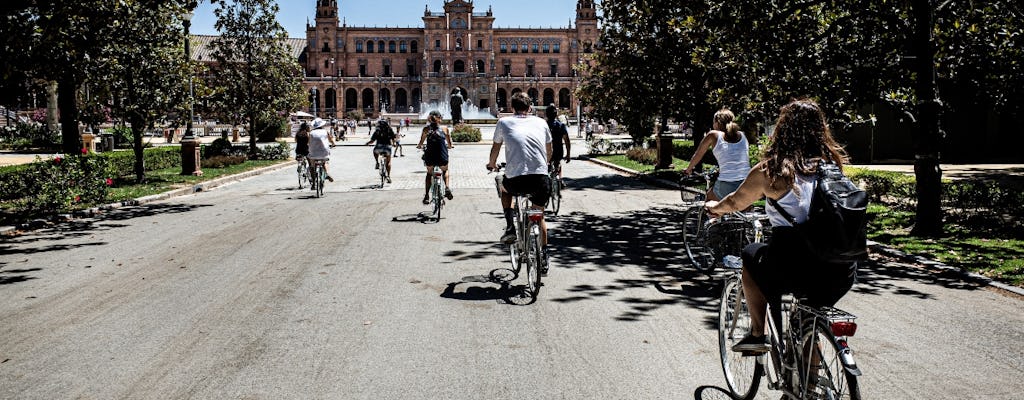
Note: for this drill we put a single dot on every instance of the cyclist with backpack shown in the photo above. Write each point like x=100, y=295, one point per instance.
x=384, y=137
x=789, y=175
x=436, y=154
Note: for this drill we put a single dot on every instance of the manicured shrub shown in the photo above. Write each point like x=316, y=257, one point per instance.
x=271, y=127
x=65, y=183
x=642, y=155
x=123, y=162
x=277, y=151
x=466, y=133
x=221, y=161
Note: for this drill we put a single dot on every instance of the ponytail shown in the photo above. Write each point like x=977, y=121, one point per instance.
x=732, y=129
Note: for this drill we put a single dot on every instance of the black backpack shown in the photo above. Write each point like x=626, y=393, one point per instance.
x=836, y=226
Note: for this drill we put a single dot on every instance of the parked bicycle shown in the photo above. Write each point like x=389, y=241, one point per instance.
x=319, y=177
x=555, y=172
x=708, y=241
x=809, y=355
x=437, y=191
x=302, y=170
x=527, y=250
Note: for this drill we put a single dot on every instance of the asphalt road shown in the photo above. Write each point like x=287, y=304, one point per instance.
x=257, y=290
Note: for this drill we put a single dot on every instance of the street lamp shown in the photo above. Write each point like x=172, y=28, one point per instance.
x=334, y=89
x=189, y=145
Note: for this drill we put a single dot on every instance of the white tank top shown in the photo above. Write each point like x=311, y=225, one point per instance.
x=733, y=159
x=797, y=205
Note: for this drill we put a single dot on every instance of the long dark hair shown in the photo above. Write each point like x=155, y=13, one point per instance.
x=801, y=138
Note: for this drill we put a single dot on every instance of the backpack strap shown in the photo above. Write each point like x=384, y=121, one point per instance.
x=785, y=214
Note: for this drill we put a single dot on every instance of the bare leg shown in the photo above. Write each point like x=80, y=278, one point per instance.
x=447, y=181
x=756, y=303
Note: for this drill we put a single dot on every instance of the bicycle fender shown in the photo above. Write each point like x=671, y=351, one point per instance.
x=846, y=356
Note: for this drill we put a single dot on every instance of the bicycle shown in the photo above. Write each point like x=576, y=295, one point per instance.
x=809, y=355
x=302, y=170
x=383, y=164
x=319, y=177
x=527, y=248
x=708, y=241
x=437, y=190
x=555, y=172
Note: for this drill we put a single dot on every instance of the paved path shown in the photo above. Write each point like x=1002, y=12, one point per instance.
x=259, y=290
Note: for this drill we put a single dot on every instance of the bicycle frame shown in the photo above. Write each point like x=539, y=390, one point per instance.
x=527, y=248
x=437, y=190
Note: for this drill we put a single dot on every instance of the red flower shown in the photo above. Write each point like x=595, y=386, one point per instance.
x=56, y=160
x=78, y=198
x=85, y=151
x=110, y=182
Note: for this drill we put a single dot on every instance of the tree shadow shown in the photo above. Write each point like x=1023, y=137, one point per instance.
x=608, y=183
x=12, y=276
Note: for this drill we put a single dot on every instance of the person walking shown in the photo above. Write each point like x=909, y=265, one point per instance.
x=438, y=141
x=528, y=150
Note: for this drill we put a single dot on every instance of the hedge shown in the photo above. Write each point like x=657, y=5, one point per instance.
x=466, y=134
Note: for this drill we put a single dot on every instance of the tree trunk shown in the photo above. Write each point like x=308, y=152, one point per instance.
x=702, y=123
x=664, y=145
x=138, y=126
x=252, y=136
x=71, y=140
x=928, y=136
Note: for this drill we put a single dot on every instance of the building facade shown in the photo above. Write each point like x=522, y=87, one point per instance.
x=397, y=70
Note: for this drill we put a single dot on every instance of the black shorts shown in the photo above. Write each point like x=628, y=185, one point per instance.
x=537, y=187
x=784, y=265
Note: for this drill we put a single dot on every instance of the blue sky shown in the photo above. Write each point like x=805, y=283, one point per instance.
x=404, y=13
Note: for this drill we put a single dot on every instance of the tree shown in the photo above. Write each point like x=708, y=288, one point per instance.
x=142, y=69
x=254, y=73
x=643, y=70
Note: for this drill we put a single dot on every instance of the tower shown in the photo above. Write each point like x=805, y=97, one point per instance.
x=586, y=25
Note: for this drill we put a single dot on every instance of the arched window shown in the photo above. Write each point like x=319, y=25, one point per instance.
x=380, y=46
x=369, y=46
x=549, y=96
x=460, y=66
x=351, y=99
x=563, y=99
x=359, y=47
x=368, y=103
x=504, y=47
x=480, y=67
x=403, y=47
x=391, y=46
x=437, y=66
x=415, y=45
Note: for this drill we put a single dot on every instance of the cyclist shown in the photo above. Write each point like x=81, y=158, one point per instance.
x=528, y=149
x=785, y=264
x=436, y=154
x=319, y=149
x=385, y=138
x=302, y=141
x=730, y=148
x=559, y=136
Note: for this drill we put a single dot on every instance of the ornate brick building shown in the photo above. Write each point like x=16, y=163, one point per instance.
x=395, y=70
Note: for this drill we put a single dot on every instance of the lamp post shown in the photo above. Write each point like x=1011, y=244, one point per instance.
x=334, y=90
x=189, y=145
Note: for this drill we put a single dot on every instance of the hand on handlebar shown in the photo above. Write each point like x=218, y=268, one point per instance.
x=708, y=205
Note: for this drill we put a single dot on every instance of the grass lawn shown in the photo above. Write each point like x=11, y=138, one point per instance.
x=157, y=181
x=982, y=247
x=163, y=180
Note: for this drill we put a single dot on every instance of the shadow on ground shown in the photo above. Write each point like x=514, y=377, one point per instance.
x=67, y=235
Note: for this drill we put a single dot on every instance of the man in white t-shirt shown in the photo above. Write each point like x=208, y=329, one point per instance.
x=527, y=141
x=319, y=150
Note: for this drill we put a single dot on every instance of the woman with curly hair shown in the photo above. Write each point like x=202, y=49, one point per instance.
x=787, y=174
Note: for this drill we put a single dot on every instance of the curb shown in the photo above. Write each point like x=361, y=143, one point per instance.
x=964, y=275
x=644, y=177
x=875, y=246
x=94, y=211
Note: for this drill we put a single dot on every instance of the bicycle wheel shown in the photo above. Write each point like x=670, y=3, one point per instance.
x=321, y=178
x=556, y=195
x=300, y=171
x=437, y=196
x=383, y=174
x=534, y=258
x=695, y=236
x=822, y=366
x=742, y=373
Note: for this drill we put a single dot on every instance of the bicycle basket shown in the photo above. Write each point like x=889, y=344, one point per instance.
x=729, y=235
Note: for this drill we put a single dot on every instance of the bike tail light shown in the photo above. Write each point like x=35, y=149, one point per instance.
x=535, y=215
x=844, y=328
x=438, y=172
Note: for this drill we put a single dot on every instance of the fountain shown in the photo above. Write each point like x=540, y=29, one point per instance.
x=470, y=112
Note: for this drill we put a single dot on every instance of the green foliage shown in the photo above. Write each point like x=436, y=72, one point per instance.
x=25, y=136
x=222, y=161
x=222, y=147
x=122, y=135
x=682, y=149
x=647, y=156
x=255, y=72
x=466, y=133
x=357, y=115
x=269, y=128
x=277, y=151
x=123, y=162
x=64, y=184
x=880, y=184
